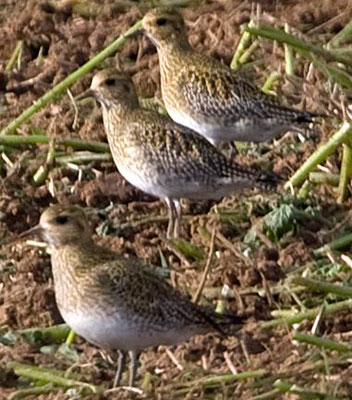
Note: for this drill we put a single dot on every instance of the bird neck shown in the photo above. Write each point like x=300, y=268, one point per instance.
x=172, y=53
x=72, y=265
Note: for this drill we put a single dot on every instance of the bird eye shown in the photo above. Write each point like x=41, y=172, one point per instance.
x=161, y=21
x=110, y=82
x=61, y=220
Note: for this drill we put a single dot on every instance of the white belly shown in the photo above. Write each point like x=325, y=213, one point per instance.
x=116, y=332
x=245, y=130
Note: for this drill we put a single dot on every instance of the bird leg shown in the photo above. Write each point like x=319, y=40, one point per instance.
x=172, y=216
x=121, y=362
x=133, y=367
x=178, y=210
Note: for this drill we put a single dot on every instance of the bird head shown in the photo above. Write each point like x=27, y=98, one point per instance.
x=60, y=225
x=163, y=26
x=110, y=86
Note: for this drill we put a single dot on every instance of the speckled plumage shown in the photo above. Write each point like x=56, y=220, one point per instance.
x=161, y=157
x=207, y=96
x=114, y=302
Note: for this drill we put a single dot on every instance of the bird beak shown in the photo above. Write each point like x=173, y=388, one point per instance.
x=137, y=33
x=87, y=93
x=35, y=231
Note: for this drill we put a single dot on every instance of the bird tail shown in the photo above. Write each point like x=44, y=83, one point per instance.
x=227, y=324
x=253, y=177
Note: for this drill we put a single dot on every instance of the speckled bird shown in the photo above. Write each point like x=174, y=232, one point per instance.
x=114, y=302
x=162, y=158
x=205, y=95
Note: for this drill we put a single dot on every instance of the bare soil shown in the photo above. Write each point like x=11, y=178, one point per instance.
x=66, y=38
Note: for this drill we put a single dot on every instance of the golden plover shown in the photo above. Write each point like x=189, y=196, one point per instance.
x=163, y=158
x=207, y=96
x=114, y=302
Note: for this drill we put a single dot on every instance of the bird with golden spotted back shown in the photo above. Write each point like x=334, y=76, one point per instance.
x=162, y=158
x=114, y=302
x=205, y=95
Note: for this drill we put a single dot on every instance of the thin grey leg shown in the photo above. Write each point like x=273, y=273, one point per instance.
x=172, y=215
x=121, y=363
x=177, y=225
x=233, y=150
x=133, y=367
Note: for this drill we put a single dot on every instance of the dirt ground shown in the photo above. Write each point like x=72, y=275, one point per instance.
x=58, y=37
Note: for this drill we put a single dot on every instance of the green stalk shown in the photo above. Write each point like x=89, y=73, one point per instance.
x=279, y=35
x=56, y=333
x=324, y=178
x=344, y=34
x=76, y=144
x=336, y=244
x=43, y=171
x=309, y=314
x=247, y=54
x=33, y=391
x=269, y=83
x=16, y=53
x=320, y=155
x=271, y=395
x=321, y=342
x=49, y=375
x=289, y=68
x=81, y=157
x=70, y=80
x=70, y=337
x=301, y=392
x=214, y=380
x=345, y=174
x=242, y=44
x=304, y=190
x=325, y=287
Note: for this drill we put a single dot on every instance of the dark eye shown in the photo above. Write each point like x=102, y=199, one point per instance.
x=61, y=220
x=110, y=82
x=161, y=21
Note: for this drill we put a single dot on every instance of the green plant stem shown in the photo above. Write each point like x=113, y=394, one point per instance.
x=320, y=155
x=300, y=45
x=43, y=171
x=336, y=244
x=16, y=53
x=49, y=375
x=269, y=83
x=321, y=342
x=301, y=392
x=345, y=174
x=214, y=380
x=70, y=80
x=247, y=54
x=33, y=391
x=324, y=178
x=76, y=144
x=56, y=333
x=309, y=314
x=70, y=337
x=289, y=65
x=344, y=34
x=304, y=190
x=272, y=394
x=242, y=44
x=325, y=287
x=81, y=157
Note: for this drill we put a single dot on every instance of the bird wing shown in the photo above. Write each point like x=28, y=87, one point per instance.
x=220, y=94
x=176, y=150
x=147, y=296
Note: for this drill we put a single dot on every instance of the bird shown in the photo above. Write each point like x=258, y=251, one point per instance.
x=161, y=157
x=205, y=95
x=118, y=303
